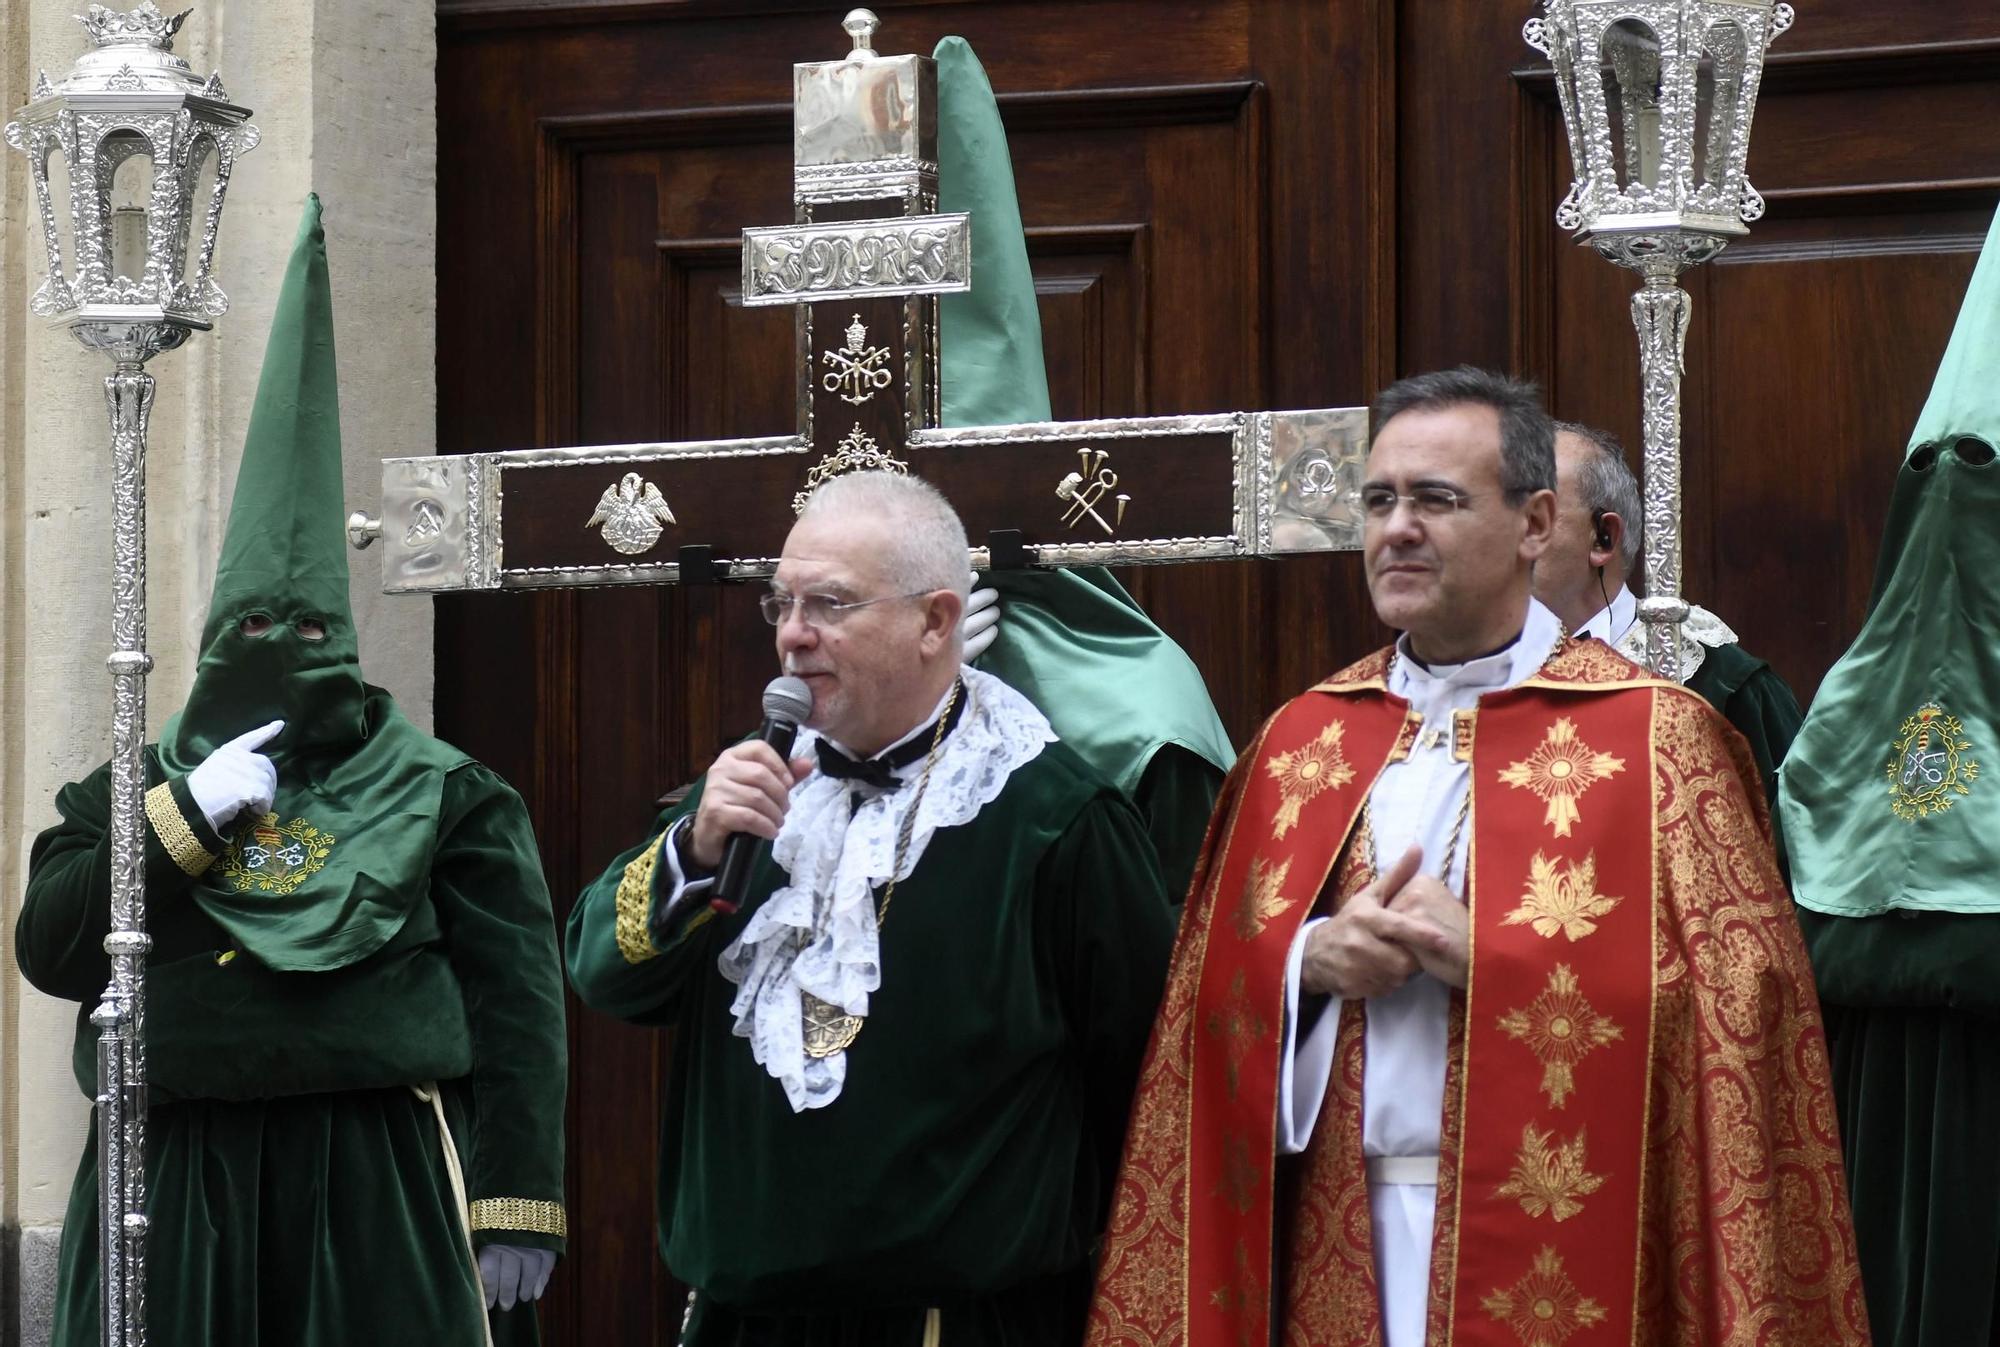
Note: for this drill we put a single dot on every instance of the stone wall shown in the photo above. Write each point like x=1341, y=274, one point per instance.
x=345, y=94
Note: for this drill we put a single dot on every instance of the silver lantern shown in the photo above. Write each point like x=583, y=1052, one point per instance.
x=1657, y=97
x=129, y=156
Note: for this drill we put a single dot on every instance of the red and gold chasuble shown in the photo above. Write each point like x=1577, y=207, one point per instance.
x=1576, y=1124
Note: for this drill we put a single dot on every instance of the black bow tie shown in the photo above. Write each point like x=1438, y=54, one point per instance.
x=880, y=771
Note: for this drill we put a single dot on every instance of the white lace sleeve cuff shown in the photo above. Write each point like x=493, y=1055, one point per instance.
x=1305, y=1065
x=680, y=889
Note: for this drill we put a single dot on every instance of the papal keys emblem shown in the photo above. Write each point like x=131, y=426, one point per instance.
x=1930, y=769
x=266, y=856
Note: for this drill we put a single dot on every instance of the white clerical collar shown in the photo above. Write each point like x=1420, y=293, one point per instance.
x=922, y=727
x=1609, y=625
x=1540, y=631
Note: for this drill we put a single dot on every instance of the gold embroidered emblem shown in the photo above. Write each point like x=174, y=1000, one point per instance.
x=1544, y=1308
x=1548, y=1178
x=1562, y=901
x=1262, y=903
x=1240, y=1026
x=268, y=857
x=1242, y=1295
x=1238, y=1185
x=1306, y=772
x=1561, y=1029
x=1560, y=771
x=1928, y=769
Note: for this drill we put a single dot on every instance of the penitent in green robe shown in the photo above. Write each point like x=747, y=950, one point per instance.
x=297, y=1186
x=967, y=1162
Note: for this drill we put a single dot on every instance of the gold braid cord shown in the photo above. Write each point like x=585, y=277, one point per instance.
x=173, y=831
x=520, y=1213
x=635, y=904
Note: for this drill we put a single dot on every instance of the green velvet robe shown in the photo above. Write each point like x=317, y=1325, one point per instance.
x=1175, y=795
x=1913, y=1027
x=967, y=1163
x=1751, y=696
x=297, y=1186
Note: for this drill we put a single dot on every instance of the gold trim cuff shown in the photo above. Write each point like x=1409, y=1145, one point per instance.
x=635, y=904
x=171, y=827
x=520, y=1213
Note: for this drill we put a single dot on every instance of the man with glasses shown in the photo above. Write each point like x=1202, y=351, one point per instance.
x=901, y=1069
x=1489, y=1019
x=1581, y=577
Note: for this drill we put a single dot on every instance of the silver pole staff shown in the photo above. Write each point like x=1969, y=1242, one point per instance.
x=147, y=148
x=1657, y=98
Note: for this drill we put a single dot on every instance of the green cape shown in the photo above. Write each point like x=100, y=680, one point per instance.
x=348, y=845
x=1114, y=685
x=1885, y=800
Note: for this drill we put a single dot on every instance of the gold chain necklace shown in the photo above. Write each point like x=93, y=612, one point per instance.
x=827, y=1028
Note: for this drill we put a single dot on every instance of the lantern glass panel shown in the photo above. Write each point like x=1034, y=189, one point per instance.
x=1724, y=51
x=125, y=180
x=1630, y=76
x=200, y=204
x=63, y=263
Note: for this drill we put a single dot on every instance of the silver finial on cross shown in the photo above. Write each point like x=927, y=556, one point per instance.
x=860, y=24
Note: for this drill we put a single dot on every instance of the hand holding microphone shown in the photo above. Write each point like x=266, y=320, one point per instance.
x=748, y=790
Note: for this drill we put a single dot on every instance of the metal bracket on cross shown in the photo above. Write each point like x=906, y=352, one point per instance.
x=863, y=263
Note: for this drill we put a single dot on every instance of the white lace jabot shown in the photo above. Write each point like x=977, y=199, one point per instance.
x=817, y=933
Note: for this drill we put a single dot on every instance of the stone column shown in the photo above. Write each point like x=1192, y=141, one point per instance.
x=345, y=94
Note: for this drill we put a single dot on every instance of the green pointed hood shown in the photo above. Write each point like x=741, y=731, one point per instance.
x=284, y=556
x=330, y=874
x=1890, y=796
x=1112, y=683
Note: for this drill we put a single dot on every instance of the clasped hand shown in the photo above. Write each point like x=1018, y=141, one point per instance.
x=1384, y=935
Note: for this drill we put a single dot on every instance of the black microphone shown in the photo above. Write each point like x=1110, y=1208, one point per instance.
x=787, y=702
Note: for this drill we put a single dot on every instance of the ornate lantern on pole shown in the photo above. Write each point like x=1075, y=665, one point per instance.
x=144, y=149
x=1657, y=98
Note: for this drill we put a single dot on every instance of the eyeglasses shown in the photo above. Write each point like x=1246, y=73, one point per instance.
x=820, y=610
x=1429, y=502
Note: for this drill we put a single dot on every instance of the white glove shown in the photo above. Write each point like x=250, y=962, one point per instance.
x=236, y=777
x=982, y=620
x=512, y=1274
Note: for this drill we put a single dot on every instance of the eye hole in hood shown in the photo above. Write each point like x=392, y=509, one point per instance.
x=1973, y=451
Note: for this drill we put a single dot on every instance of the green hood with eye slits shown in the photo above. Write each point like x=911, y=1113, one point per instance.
x=1890, y=796
x=330, y=874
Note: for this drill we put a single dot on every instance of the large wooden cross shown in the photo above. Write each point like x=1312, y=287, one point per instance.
x=863, y=264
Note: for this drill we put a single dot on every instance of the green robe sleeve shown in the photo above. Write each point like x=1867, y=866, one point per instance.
x=613, y=948
x=1751, y=696
x=1175, y=796
x=499, y=930
x=66, y=912
x=1114, y=932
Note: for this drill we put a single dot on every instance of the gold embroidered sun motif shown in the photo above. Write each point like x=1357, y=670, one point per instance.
x=1544, y=1308
x=1306, y=771
x=1238, y=1185
x=1562, y=901
x=1262, y=903
x=1241, y=1026
x=1549, y=1178
x=1561, y=1029
x=1560, y=771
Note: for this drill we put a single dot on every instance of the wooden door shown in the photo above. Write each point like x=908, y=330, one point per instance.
x=1232, y=204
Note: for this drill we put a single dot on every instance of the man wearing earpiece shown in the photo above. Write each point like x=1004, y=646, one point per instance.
x=1581, y=577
